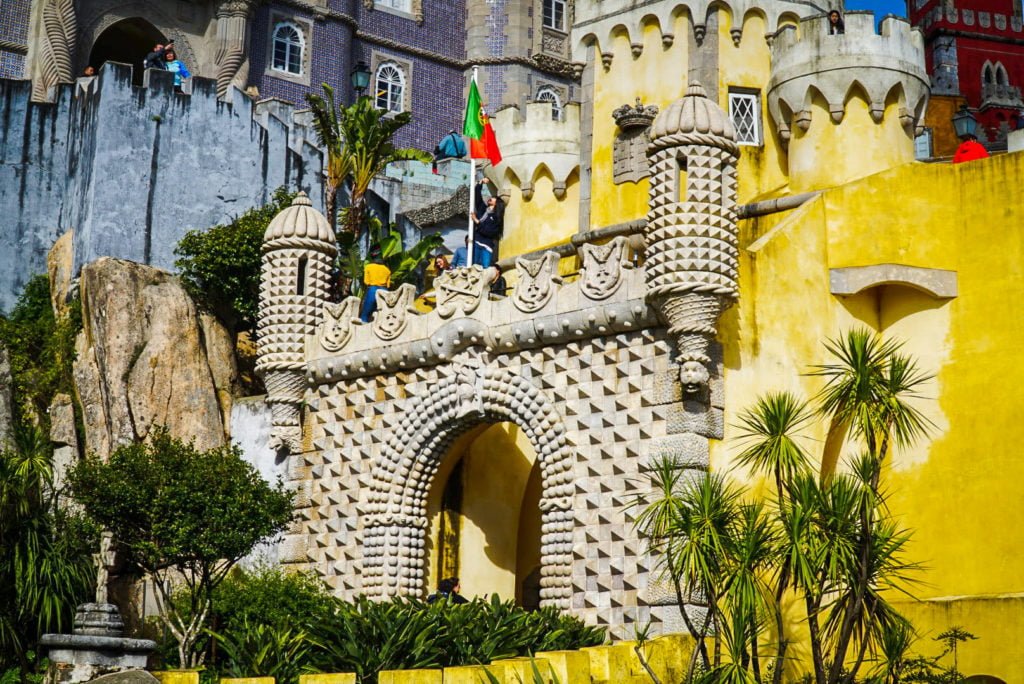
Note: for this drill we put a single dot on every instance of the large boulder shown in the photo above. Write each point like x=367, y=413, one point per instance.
x=144, y=359
x=60, y=268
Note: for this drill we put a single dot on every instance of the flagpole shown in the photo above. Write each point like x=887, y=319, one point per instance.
x=472, y=197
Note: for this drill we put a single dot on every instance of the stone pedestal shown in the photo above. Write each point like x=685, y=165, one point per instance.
x=95, y=648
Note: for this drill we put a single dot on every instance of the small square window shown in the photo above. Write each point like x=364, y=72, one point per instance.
x=745, y=112
x=554, y=14
x=400, y=5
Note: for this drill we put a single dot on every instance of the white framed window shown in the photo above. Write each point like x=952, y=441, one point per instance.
x=400, y=5
x=389, y=87
x=554, y=14
x=745, y=112
x=288, y=46
x=549, y=94
x=923, y=145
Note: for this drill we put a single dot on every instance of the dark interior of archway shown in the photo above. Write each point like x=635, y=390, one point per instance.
x=128, y=41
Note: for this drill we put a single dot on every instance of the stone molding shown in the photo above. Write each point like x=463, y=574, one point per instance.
x=846, y=282
x=608, y=299
x=810, y=61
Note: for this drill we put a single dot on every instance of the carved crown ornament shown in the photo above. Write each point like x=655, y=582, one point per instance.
x=628, y=117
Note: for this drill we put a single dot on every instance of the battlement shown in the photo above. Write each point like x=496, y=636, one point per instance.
x=535, y=141
x=130, y=169
x=952, y=17
x=807, y=60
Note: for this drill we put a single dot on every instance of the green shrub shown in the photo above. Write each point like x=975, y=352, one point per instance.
x=220, y=266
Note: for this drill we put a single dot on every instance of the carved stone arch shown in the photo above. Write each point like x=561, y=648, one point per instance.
x=106, y=14
x=395, y=519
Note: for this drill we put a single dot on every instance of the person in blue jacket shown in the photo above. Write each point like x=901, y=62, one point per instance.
x=177, y=67
x=489, y=217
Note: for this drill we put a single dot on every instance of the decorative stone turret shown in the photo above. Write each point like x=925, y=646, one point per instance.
x=691, y=226
x=539, y=139
x=816, y=77
x=298, y=251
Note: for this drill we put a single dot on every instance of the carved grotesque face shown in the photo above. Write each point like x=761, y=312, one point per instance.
x=694, y=376
x=603, y=274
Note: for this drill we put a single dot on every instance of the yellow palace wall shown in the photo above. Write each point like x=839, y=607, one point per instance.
x=960, y=489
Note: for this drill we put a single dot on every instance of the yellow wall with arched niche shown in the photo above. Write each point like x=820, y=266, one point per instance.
x=959, y=489
x=497, y=464
x=544, y=219
x=657, y=76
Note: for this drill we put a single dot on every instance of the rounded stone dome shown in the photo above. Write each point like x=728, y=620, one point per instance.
x=299, y=220
x=693, y=113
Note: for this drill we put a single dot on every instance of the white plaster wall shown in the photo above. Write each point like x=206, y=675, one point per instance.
x=250, y=430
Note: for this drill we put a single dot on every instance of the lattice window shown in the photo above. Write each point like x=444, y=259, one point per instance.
x=288, y=46
x=549, y=94
x=400, y=5
x=554, y=14
x=389, y=87
x=745, y=112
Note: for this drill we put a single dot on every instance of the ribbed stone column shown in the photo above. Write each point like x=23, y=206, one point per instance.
x=232, y=37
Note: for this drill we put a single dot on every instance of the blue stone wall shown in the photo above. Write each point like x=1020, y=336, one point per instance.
x=132, y=169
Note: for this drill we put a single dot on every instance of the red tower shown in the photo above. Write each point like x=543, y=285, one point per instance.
x=975, y=54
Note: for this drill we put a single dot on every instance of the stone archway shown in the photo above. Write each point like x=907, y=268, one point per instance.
x=395, y=519
x=127, y=41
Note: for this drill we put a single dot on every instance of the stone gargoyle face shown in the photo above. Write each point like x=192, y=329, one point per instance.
x=693, y=376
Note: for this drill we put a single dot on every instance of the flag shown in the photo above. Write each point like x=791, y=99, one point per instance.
x=477, y=127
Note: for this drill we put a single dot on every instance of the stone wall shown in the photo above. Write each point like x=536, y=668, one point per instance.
x=131, y=169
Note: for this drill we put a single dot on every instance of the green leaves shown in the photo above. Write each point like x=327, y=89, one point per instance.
x=402, y=263
x=220, y=266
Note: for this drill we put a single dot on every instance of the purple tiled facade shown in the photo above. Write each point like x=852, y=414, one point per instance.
x=14, y=17
x=437, y=77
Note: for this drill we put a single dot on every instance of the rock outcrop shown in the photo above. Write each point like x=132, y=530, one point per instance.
x=6, y=405
x=60, y=268
x=146, y=357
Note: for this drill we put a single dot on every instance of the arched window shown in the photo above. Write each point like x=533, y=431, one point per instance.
x=988, y=74
x=389, y=86
x=1002, y=78
x=548, y=94
x=554, y=14
x=288, y=47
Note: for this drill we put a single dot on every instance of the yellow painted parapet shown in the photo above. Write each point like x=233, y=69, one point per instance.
x=617, y=663
x=346, y=678
x=247, y=680
x=178, y=676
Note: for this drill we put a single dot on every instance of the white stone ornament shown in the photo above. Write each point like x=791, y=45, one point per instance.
x=460, y=290
x=393, y=310
x=537, y=281
x=339, y=321
x=602, y=269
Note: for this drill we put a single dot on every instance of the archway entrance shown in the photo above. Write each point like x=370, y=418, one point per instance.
x=485, y=517
x=128, y=41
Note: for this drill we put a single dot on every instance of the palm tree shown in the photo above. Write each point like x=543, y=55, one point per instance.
x=46, y=565
x=403, y=263
x=358, y=140
x=866, y=396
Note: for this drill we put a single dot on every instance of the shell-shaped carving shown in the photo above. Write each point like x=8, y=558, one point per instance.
x=693, y=113
x=300, y=220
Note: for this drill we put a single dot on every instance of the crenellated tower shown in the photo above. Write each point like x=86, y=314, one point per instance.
x=298, y=251
x=831, y=96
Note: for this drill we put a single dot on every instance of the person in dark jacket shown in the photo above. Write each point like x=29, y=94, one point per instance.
x=448, y=589
x=489, y=218
x=155, y=59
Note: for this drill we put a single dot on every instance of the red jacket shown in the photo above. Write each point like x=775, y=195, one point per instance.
x=969, y=150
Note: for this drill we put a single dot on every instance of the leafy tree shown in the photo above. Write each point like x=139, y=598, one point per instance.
x=830, y=540
x=220, y=266
x=358, y=140
x=402, y=263
x=41, y=349
x=180, y=513
x=46, y=566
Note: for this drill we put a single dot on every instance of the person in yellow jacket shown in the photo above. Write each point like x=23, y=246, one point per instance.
x=376, y=276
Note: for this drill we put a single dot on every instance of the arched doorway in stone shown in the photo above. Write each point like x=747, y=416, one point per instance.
x=128, y=41
x=472, y=400
x=484, y=515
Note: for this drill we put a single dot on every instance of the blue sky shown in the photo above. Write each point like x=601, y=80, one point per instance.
x=879, y=7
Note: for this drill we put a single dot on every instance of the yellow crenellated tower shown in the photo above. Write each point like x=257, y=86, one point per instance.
x=539, y=174
x=831, y=97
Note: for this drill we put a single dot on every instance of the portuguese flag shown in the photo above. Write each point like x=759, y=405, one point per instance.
x=477, y=127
